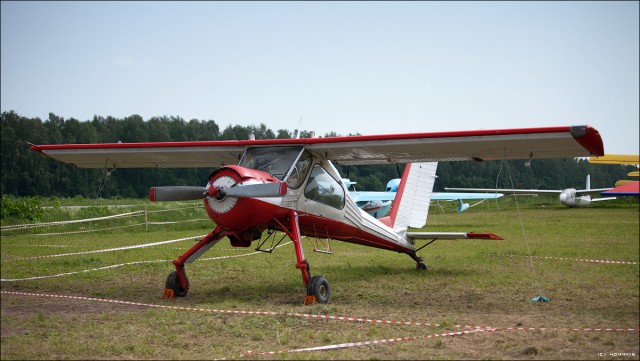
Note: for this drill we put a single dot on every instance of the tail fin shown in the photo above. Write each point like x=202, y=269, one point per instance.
x=411, y=205
x=588, y=182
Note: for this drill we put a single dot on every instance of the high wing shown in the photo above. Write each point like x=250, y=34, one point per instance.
x=366, y=196
x=527, y=191
x=616, y=159
x=453, y=196
x=478, y=145
x=435, y=196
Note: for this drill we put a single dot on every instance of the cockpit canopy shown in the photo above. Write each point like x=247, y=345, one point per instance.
x=289, y=164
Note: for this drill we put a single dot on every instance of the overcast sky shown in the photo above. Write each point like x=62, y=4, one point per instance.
x=348, y=67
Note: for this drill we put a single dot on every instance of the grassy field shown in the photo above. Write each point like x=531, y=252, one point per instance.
x=468, y=284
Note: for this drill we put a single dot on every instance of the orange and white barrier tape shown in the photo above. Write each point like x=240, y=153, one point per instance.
x=570, y=259
x=58, y=223
x=111, y=249
x=78, y=272
x=364, y=343
x=339, y=318
x=474, y=329
x=121, y=215
x=124, y=264
x=141, y=304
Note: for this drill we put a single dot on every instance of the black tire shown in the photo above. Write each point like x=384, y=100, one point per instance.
x=174, y=283
x=319, y=287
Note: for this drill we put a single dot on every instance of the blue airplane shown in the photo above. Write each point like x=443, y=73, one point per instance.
x=378, y=204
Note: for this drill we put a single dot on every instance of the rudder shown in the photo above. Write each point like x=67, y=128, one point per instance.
x=411, y=204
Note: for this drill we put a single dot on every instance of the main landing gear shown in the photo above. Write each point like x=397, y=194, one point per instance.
x=177, y=282
x=173, y=283
x=317, y=287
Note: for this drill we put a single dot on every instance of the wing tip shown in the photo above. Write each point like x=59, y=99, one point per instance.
x=589, y=138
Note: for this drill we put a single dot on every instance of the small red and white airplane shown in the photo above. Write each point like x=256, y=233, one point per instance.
x=291, y=185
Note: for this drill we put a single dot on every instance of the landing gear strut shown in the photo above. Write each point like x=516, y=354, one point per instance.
x=317, y=286
x=177, y=280
x=419, y=262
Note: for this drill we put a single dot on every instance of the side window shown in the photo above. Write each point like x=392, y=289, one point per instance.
x=323, y=188
x=300, y=171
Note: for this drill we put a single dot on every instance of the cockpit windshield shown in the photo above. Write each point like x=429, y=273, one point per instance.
x=274, y=160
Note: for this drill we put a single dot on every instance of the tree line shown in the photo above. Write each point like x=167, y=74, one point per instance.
x=26, y=173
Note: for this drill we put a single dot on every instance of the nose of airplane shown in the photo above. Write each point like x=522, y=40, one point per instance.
x=563, y=197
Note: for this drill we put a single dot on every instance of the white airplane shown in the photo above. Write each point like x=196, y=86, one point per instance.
x=291, y=186
x=378, y=204
x=569, y=197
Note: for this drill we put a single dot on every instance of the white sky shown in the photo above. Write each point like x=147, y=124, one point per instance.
x=348, y=67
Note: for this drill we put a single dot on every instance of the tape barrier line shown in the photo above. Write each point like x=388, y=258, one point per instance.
x=174, y=209
x=110, y=249
x=569, y=259
x=117, y=227
x=121, y=265
x=366, y=320
x=289, y=314
x=83, y=271
x=475, y=329
x=87, y=231
x=58, y=223
x=176, y=222
x=208, y=310
x=363, y=343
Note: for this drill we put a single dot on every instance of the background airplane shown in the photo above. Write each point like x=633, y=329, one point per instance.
x=378, y=204
x=569, y=197
x=624, y=187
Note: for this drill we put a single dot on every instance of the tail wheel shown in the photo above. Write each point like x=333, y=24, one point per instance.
x=319, y=287
x=174, y=283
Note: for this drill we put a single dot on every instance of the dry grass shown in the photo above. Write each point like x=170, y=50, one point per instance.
x=478, y=283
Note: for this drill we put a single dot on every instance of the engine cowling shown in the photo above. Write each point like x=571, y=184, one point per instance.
x=239, y=214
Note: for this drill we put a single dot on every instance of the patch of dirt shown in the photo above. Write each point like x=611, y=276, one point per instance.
x=28, y=305
x=21, y=305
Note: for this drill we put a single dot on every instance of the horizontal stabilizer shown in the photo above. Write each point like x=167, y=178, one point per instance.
x=452, y=235
x=603, y=199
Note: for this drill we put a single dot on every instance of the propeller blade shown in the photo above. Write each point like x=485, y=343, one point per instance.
x=176, y=193
x=256, y=190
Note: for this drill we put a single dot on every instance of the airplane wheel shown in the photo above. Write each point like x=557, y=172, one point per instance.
x=319, y=287
x=174, y=283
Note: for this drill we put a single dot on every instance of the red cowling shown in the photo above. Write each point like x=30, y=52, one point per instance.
x=240, y=214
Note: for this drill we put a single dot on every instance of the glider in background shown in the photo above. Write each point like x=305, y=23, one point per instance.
x=292, y=186
x=569, y=197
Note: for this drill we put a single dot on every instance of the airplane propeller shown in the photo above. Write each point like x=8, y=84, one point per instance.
x=188, y=193
x=176, y=193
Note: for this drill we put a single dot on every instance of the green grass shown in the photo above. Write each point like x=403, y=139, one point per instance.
x=468, y=282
